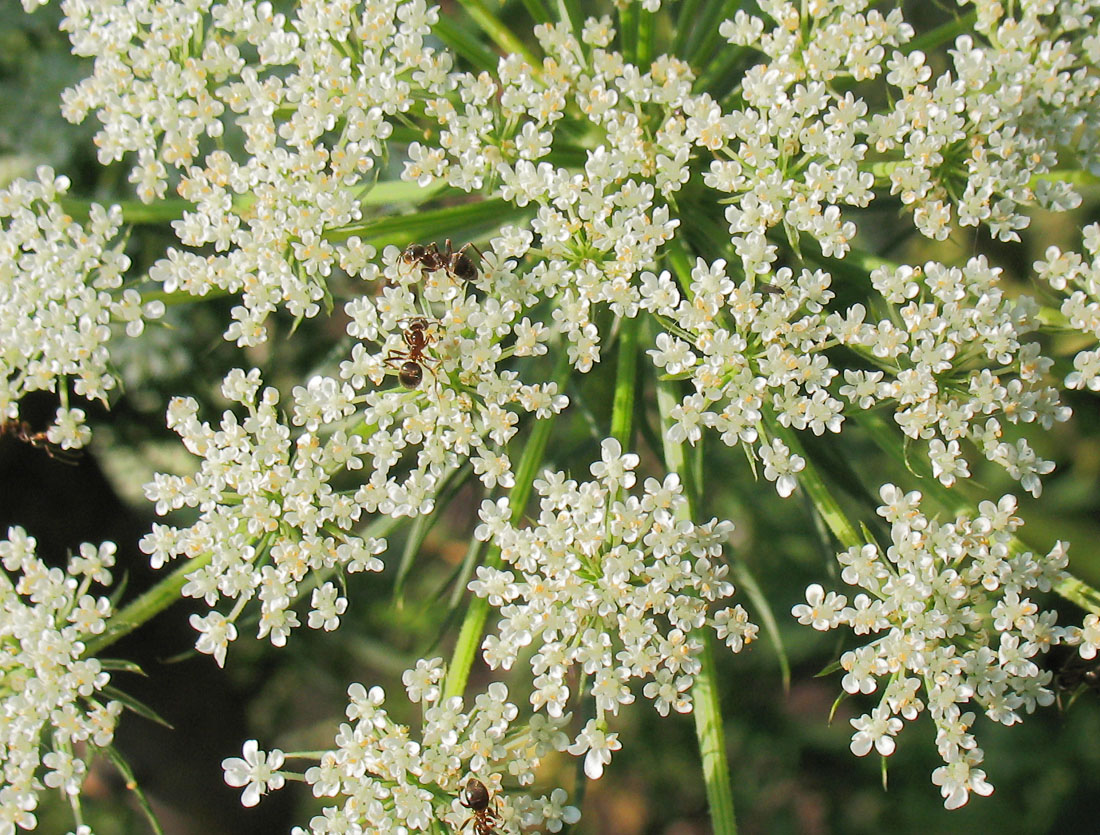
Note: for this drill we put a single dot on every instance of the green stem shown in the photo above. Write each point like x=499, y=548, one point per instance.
x=473, y=624
x=712, y=742
x=569, y=12
x=626, y=374
x=628, y=31
x=145, y=607
x=1079, y=592
x=706, y=710
x=646, y=36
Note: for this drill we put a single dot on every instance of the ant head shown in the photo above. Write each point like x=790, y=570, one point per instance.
x=414, y=253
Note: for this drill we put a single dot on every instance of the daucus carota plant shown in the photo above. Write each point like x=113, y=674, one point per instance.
x=648, y=226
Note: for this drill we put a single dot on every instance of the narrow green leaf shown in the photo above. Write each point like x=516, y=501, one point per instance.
x=646, y=40
x=465, y=569
x=134, y=212
x=836, y=703
x=399, y=191
x=707, y=31
x=458, y=39
x=689, y=12
x=762, y=608
x=675, y=462
x=722, y=75
x=1075, y=177
x=121, y=665
x=132, y=704
x=448, y=485
x=431, y=224
x=500, y=34
x=149, y=604
x=538, y=11
x=1078, y=591
x=812, y=482
x=417, y=531
x=132, y=784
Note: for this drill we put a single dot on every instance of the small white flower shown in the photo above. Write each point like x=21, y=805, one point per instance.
x=876, y=730
x=615, y=468
x=256, y=772
x=596, y=745
x=821, y=611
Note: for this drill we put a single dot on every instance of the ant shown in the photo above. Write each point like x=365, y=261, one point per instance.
x=413, y=361
x=21, y=430
x=475, y=797
x=1076, y=677
x=456, y=264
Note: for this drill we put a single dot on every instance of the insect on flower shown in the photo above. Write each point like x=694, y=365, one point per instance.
x=458, y=264
x=411, y=363
x=21, y=430
x=1076, y=676
x=475, y=797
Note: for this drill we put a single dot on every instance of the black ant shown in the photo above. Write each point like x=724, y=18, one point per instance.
x=456, y=264
x=1076, y=677
x=475, y=797
x=21, y=430
x=412, y=362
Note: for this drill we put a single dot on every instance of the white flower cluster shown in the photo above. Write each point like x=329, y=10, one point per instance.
x=269, y=515
x=951, y=608
x=1078, y=282
x=50, y=697
x=310, y=96
x=465, y=406
x=753, y=351
x=60, y=296
x=388, y=781
x=597, y=226
x=610, y=583
x=972, y=139
x=269, y=512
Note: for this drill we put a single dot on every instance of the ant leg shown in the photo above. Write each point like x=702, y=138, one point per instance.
x=395, y=359
x=473, y=246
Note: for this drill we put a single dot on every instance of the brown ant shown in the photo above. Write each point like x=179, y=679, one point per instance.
x=21, y=430
x=412, y=362
x=456, y=264
x=475, y=797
